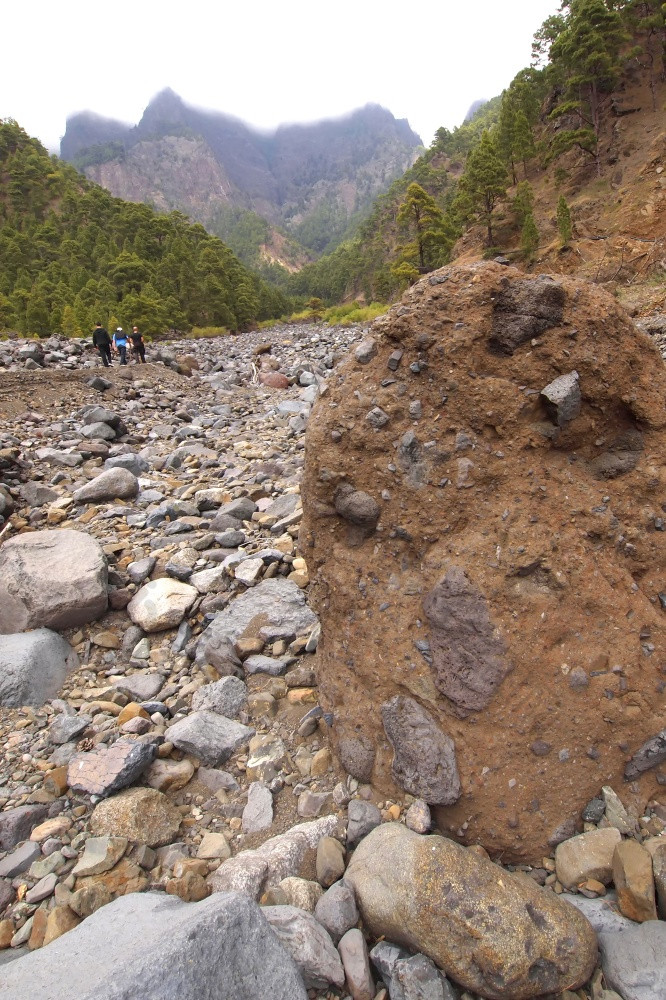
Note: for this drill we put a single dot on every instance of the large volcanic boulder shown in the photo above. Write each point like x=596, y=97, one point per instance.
x=506, y=601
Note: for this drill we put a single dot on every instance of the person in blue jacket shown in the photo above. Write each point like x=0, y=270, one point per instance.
x=120, y=344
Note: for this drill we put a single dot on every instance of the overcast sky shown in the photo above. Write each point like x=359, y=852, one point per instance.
x=264, y=61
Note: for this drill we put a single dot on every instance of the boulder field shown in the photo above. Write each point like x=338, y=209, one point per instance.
x=484, y=513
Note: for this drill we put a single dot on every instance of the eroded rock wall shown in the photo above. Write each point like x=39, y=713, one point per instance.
x=485, y=498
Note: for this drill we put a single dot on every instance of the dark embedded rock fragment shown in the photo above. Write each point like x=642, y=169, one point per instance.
x=357, y=507
x=561, y=398
x=357, y=756
x=424, y=761
x=621, y=457
x=524, y=309
x=469, y=657
x=650, y=755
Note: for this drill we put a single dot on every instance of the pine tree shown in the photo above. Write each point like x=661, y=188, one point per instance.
x=523, y=139
x=529, y=237
x=523, y=203
x=564, y=220
x=586, y=59
x=426, y=223
x=483, y=183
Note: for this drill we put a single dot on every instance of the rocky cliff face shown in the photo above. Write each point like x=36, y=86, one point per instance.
x=484, y=518
x=153, y=172
x=309, y=179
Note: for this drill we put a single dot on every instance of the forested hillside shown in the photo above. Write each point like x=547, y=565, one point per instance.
x=571, y=151
x=72, y=255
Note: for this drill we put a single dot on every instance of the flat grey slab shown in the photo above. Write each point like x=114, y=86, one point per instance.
x=155, y=946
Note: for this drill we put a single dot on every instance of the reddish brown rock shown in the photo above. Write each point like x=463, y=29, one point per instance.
x=510, y=583
x=39, y=924
x=634, y=883
x=274, y=380
x=60, y=920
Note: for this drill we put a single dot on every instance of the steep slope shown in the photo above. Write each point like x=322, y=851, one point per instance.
x=312, y=181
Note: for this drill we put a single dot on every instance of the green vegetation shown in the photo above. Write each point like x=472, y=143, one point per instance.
x=586, y=64
x=529, y=237
x=564, y=220
x=102, y=152
x=431, y=235
x=73, y=255
x=551, y=108
x=483, y=184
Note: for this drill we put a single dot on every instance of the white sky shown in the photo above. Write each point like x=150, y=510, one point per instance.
x=264, y=62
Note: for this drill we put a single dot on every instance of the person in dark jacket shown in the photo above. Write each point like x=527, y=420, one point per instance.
x=102, y=342
x=120, y=344
x=138, y=347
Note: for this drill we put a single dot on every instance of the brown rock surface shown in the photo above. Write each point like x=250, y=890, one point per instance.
x=494, y=933
x=142, y=815
x=511, y=583
x=634, y=884
x=587, y=856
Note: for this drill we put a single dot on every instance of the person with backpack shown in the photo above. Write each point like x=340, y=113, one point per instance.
x=138, y=346
x=120, y=344
x=102, y=342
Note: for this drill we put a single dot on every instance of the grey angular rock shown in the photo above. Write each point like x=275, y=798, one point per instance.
x=418, y=978
x=19, y=860
x=16, y=824
x=276, y=606
x=98, y=431
x=337, y=910
x=366, y=350
x=67, y=727
x=258, y=813
x=133, y=463
x=259, y=664
x=141, y=686
x=225, y=697
x=54, y=579
x=602, y=913
x=424, y=761
x=634, y=961
x=219, y=947
x=308, y=944
x=36, y=494
x=112, y=484
x=241, y=509
x=106, y=770
x=209, y=737
x=362, y=817
x=33, y=667
x=561, y=398
x=384, y=957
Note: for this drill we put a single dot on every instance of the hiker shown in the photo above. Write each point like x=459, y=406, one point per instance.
x=138, y=346
x=102, y=342
x=120, y=344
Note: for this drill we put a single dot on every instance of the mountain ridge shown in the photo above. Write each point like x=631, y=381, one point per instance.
x=309, y=181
